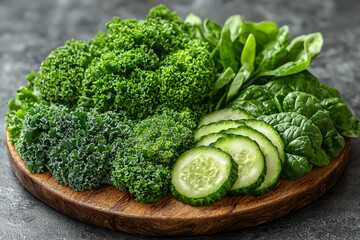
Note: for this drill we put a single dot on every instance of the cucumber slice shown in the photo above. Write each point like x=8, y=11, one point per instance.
x=209, y=139
x=216, y=127
x=250, y=160
x=271, y=154
x=270, y=133
x=225, y=114
x=202, y=176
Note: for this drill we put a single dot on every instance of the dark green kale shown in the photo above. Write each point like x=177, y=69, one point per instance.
x=147, y=181
x=76, y=146
x=163, y=137
x=144, y=166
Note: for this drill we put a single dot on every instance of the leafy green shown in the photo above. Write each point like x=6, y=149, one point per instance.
x=161, y=138
x=295, y=166
x=87, y=149
x=247, y=67
x=25, y=99
x=309, y=106
x=144, y=166
x=60, y=77
x=147, y=181
x=300, y=136
x=347, y=124
x=256, y=100
x=77, y=147
x=300, y=53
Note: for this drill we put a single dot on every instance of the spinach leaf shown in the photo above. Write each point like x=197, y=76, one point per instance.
x=255, y=99
x=255, y=107
x=227, y=54
x=212, y=31
x=301, y=52
x=298, y=132
x=234, y=23
x=274, y=50
x=343, y=119
x=247, y=62
x=196, y=24
x=264, y=32
x=224, y=78
x=309, y=106
x=303, y=82
x=295, y=166
x=333, y=142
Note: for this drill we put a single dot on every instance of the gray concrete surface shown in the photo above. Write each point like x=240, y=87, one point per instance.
x=30, y=29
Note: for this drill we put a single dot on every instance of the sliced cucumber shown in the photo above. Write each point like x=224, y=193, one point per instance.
x=202, y=176
x=225, y=114
x=271, y=154
x=250, y=160
x=216, y=127
x=270, y=133
x=209, y=139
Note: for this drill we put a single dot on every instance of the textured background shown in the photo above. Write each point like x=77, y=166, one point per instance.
x=29, y=30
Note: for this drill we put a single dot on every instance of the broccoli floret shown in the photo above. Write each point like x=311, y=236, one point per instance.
x=60, y=77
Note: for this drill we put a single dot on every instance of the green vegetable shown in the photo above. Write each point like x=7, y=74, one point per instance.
x=224, y=114
x=25, y=99
x=271, y=157
x=300, y=136
x=343, y=119
x=216, y=127
x=249, y=159
x=202, y=176
x=247, y=62
x=147, y=181
x=77, y=147
x=309, y=106
x=61, y=74
x=295, y=166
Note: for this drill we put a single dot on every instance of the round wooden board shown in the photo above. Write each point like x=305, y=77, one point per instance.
x=114, y=209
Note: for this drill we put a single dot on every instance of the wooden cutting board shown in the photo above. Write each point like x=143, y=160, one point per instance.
x=114, y=209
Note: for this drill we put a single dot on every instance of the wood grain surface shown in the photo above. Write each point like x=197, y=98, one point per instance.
x=117, y=210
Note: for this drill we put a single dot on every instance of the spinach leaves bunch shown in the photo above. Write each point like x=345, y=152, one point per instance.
x=288, y=103
x=244, y=52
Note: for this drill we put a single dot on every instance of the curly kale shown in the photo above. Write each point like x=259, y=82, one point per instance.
x=77, y=147
x=25, y=99
x=147, y=181
x=117, y=110
x=60, y=77
x=163, y=137
x=144, y=166
x=135, y=66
